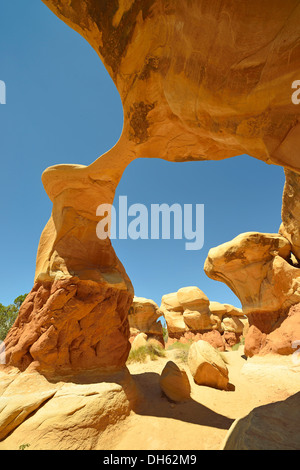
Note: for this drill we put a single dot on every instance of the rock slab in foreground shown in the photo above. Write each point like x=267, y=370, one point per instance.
x=275, y=426
x=54, y=414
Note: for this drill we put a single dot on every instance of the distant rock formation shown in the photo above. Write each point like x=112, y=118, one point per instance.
x=190, y=315
x=143, y=318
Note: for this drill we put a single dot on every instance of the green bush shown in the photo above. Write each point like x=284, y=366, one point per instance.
x=9, y=314
x=181, y=346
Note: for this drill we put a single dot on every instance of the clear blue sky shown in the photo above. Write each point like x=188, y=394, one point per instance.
x=62, y=107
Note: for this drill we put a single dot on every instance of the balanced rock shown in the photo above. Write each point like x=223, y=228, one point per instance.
x=197, y=321
x=232, y=324
x=246, y=265
x=175, y=383
x=172, y=310
x=207, y=366
x=218, y=309
x=186, y=310
x=256, y=267
x=189, y=312
x=192, y=298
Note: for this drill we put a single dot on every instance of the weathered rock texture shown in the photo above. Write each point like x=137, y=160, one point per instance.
x=257, y=268
x=269, y=427
x=186, y=310
x=282, y=340
x=62, y=414
x=70, y=324
x=198, y=80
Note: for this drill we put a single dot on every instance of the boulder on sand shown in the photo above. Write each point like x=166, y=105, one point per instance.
x=174, y=382
x=207, y=366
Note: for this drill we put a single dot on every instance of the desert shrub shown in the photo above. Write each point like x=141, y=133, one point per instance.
x=179, y=345
x=23, y=446
x=141, y=354
x=236, y=346
x=182, y=350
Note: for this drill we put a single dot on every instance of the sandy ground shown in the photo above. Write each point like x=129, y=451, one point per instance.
x=201, y=423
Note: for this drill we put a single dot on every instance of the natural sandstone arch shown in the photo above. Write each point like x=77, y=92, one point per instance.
x=198, y=80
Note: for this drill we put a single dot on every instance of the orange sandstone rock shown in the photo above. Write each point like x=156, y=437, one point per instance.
x=197, y=81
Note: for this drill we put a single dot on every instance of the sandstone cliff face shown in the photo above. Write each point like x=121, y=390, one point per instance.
x=70, y=325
